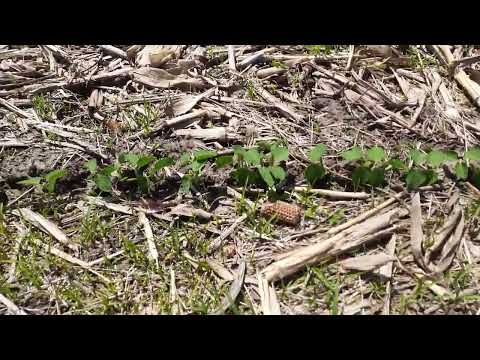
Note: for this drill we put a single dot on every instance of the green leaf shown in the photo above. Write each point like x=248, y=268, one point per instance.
x=461, y=170
x=132, y=159
x=186, y=183
x=317, y=152
x=238, y=150
x=473, y=154
x=264, y=146
x=360, y=176
x=278, y=172
x=353, y=154
x=279, y=153
x=266, y=176
x=376, y=177
x=91, y=165
x=223, y=161
x=103, y=182
x=204, y=155
x=163, y=162
x=252, y=157
x=244, y=176
x=31, y=181
x=144, y=161
x=52, y=177
x=197, y=165
x=108, y=170
x=142, y=183
x=475, y=177
x=313, y=173
x=451, y=155
x=415, y=178
x=432, y=176
x=376, y=154
x=185, y=159
x=397, y=164
x=436, y=158
x=417, y=156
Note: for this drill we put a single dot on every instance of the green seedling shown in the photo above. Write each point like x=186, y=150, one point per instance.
x=315, y=171
x=370, y=166
x=47, y=182
x=260, y=165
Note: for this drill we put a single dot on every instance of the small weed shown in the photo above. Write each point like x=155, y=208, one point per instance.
x=332, y=287
x=278, y=64
x=418, y=60
x=93, y=228
x=47, y=182
x=143, y=118
x=318, y=50
x=336, y=217
x=44, y=108
x=251, y=94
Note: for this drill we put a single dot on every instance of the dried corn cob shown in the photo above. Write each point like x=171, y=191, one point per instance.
x=286, y=213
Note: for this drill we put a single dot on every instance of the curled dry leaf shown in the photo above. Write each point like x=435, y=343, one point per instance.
x=268, y=297
x=158, y=55
x=220, y=270
x=162, y=79
x=133, y=50
x=449, y=251
x=384, y=51
x=235, y=288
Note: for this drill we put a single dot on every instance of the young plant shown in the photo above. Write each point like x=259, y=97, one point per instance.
x=43, y=107
x=369, y=166
x=315, y=171
x=103, y=178
x=318, y=50
x=463, y=171
x=47, y=182
x=424, y=170
x=260, y=165
x=195, y=163
x=138, y=164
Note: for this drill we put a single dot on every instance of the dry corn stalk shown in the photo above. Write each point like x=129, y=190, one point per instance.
x=370, y=230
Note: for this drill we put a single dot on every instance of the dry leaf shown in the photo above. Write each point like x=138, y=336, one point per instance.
x=158, y=55
x=152, y=250
x=416, y=232
x=189, y=211
x=188, y=102
x=159, y=78
x=268, y=297
x=366, y=262
x=235, y=288
x=45, y=225
x=220, y=270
